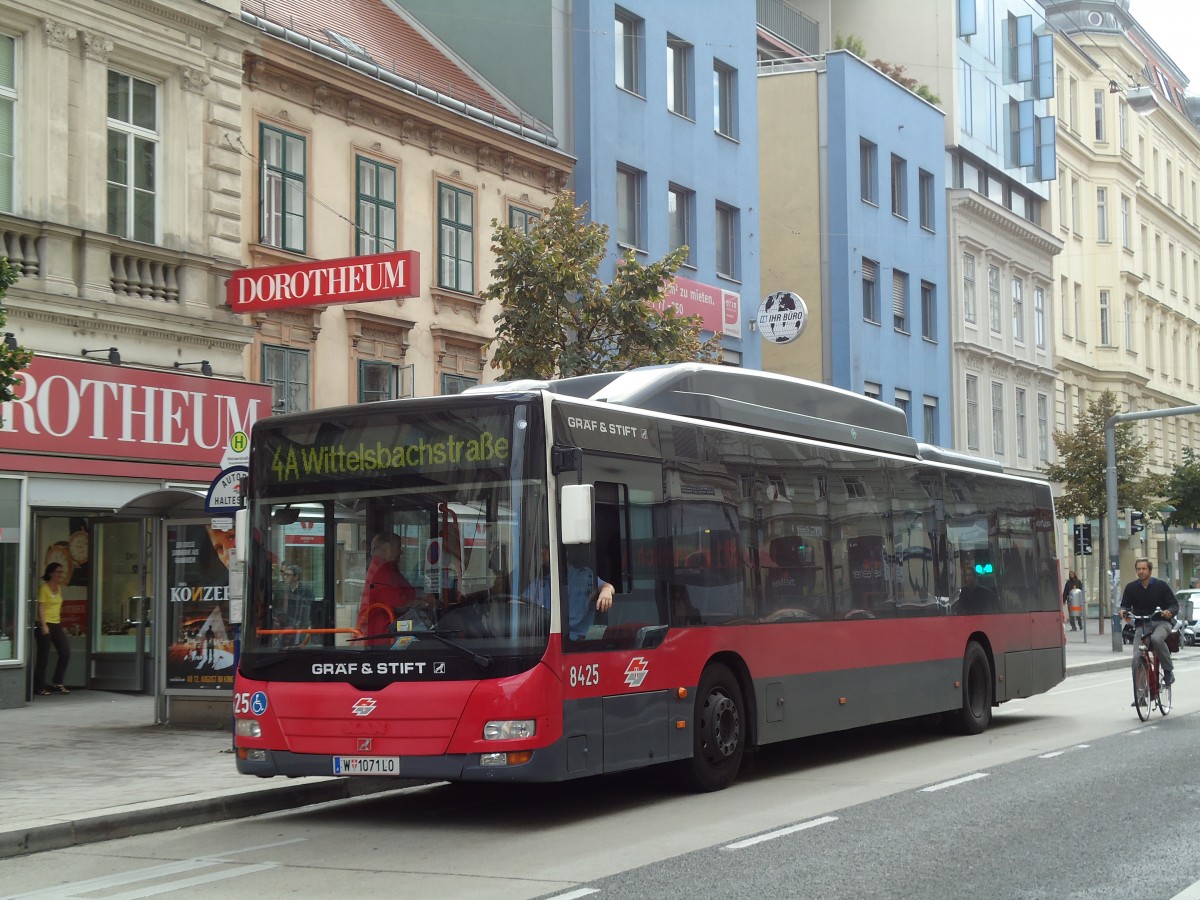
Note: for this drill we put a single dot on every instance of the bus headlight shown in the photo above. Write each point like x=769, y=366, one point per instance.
x=509, y=729
x=247, y=728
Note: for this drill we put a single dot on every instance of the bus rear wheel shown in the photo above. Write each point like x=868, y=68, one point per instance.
x=977, y=692
x=718, y=731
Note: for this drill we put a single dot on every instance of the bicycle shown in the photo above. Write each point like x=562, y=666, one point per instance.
x=1150, y=687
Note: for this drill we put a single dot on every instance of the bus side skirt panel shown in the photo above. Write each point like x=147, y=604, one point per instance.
x=802, y=705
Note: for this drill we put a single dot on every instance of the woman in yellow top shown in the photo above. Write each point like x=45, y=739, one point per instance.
x=50, y=631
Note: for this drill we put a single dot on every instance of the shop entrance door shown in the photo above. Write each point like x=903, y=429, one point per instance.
x=121, y=656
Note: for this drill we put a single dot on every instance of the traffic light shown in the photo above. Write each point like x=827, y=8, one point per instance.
x=1083, y=540
x=1135, y=521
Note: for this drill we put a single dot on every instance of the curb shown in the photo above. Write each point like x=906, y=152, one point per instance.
x=110, y=825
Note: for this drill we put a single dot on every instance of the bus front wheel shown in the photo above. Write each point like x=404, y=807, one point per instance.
x=718, y=731
x=977, y=692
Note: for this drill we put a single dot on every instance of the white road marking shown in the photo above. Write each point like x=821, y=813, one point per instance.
x=954, y=783
x=171, y=886
x=782, y=832
x=1052, y=755
x=572, y=895
x=1191, y=892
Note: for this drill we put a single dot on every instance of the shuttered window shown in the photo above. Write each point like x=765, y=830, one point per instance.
x=900, y=300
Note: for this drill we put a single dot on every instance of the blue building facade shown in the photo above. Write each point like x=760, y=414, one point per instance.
x=657, y=103
x=666, y=135
x=888, y=322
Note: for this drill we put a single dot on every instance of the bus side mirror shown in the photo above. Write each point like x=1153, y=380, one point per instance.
x=576, y=513
x=241, y=534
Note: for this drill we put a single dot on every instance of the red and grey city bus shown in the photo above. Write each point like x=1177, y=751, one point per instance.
x=785, y=561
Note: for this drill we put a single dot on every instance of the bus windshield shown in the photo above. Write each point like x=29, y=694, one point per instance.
x=393, y=533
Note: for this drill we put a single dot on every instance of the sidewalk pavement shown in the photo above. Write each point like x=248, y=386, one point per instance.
x=92, y=766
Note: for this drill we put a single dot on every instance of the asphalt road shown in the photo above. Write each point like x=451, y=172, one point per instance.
x=1056, y=800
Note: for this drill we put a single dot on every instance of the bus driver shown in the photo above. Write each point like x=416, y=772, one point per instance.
x=582, y=585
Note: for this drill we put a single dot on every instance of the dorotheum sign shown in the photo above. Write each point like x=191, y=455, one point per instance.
x=348, y=280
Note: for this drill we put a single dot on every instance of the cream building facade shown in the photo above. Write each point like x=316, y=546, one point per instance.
x=344, y=156
x=1127, y=209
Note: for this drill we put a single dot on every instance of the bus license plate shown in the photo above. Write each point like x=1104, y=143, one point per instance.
x=366, y=765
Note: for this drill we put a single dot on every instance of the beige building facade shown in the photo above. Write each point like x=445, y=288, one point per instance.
x=342, y=157
x=1127, y=209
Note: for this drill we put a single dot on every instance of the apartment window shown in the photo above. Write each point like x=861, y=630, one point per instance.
x=966, y=18
x=1098, y=96
x=966, y=111
x=724, y=96
x=132, y=157
x=872, y=390
x=1020, y=48
x=1123, y=124
x=1022, y=425
x=1039, y=317
x=1043, y=425
x=972, y=393
x=1078, y=306
x=376, y=381
x=1018, y=310
x=680, y=211
x=1073, y=104
x=679, y=76
x=456, y=239
x=1126, y=223
x=870, y=290
x=994, y=298
x=899, y=187
x=522, y=220
x=1128, y=322
x=904, y=404
x=868, y=175
x=997, y=418
x=925, y=187
x=899, y=300
x=286, y=370
x=629, y=31
x=1075, y=217
x=1101, y=214
x=930, y=430
x=928, y=311
x=376, y=208
x=630, y=185
x=970, y=312
x=8, y=104
x=727, y=241
x=993, y=114
x=1105, y=320
x=1171, y=267
x=456, y=384
x=283, y=189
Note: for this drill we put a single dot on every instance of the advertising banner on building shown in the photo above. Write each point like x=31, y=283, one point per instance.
x=138, y=422
x=200, y=645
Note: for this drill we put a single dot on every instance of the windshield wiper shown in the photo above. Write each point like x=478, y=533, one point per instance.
x=481, y=660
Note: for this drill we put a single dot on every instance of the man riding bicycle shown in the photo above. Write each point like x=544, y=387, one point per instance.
x=1147, y=596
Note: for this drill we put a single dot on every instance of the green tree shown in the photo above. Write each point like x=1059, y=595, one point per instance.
x=1183, y=490
x=12, y=360
x=559, y=319
x=1082, y=469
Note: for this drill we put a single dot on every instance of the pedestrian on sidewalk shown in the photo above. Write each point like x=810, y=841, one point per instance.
x=49, y=631
x=1074, y=605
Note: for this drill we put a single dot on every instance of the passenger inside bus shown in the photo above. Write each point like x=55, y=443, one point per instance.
x=294, y=607
x=587, y=593
x=975, y=597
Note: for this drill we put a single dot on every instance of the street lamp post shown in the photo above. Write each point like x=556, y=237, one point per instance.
x=1164, y=515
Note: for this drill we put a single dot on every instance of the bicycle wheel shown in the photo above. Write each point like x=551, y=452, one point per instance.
x=1141, y=689
x=1164, y=694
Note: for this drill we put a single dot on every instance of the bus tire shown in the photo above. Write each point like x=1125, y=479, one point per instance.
x=975, y=715
x=718, y=731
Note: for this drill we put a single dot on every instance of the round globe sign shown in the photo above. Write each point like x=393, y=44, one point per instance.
x=782, y=317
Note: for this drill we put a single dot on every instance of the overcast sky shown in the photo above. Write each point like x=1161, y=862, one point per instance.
x=1175, y=26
